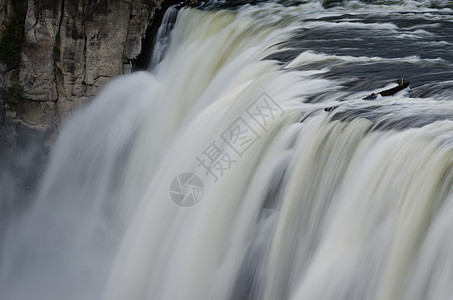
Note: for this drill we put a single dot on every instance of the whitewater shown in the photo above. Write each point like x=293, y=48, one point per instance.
x=245, y=164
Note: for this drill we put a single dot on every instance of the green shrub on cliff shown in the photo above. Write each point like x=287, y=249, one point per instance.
x=14, y=95
x=12, y=35
x=56, y=50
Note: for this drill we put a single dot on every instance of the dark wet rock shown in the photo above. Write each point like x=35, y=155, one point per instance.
x=385, y=93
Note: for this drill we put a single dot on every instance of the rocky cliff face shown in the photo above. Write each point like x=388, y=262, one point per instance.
x=54, y=56
x=70, y=49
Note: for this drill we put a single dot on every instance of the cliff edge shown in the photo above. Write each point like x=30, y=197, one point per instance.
x=56, y=54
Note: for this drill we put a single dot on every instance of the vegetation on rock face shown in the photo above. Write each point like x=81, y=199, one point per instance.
x=14, y=95
x=56, y=50
x=12, y=35
x=192, y=3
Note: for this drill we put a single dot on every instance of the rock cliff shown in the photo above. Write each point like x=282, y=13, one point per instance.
x=54, y=56
x=69, y=49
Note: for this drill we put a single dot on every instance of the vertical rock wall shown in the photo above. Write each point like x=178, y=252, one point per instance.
x=70, y=50
x=54, y=56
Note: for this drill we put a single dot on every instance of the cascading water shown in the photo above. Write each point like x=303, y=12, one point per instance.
x=280, y=198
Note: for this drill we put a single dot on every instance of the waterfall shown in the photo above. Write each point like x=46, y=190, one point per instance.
x=220, y=174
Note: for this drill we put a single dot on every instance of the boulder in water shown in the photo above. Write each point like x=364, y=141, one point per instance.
x=385, y=93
